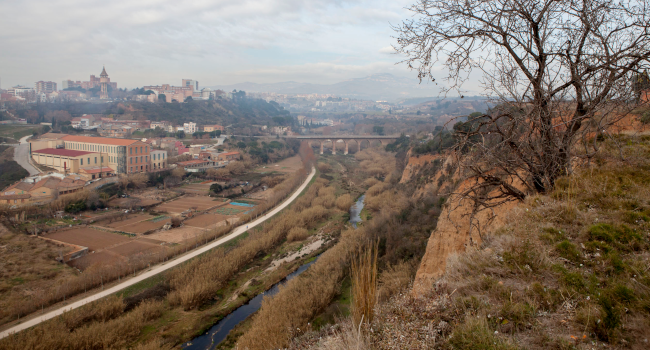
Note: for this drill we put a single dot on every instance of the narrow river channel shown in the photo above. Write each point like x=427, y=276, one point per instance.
x=217, y=333
x=355, y=211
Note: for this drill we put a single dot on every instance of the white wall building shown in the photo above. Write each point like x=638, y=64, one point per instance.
x=190, y=127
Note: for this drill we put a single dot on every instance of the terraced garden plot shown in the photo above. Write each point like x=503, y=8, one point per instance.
x=230, y=210
x=102, y=258
x=177, y=235
x=131, y=219
x=88, y=237
x=182, y=204
x=206, y=220
x=136, y=247
x=144, y=226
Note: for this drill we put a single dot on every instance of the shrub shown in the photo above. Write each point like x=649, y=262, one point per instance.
x=176, y=221
x=297, y=234
x=474, y=334
x=75, y=207
x=324, y=167
x=344, y=202
x=568, y=251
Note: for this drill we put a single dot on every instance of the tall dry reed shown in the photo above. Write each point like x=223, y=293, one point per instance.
x=364, y=284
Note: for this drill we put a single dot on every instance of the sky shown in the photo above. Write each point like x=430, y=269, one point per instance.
x=217, y=42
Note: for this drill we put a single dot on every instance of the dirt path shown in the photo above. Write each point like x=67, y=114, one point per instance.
x=158, y=268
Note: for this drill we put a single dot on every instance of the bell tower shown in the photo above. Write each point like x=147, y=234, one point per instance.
x=103, y=82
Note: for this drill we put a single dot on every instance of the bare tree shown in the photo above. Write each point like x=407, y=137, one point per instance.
x=558, y=72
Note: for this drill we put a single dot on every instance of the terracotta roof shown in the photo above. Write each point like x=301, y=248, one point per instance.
x=62, y=152
x=96, y=169
x=24, y=186
x=229, y=153
x=48, y=182
x=16, y=196
x=100, y=140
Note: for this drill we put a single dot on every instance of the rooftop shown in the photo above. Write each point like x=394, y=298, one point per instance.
x=100, y=140
x=96, y=169
x=62, y=152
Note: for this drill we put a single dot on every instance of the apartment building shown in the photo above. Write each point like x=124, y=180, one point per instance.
x=47, y=87
x=158, y=159
x=189, y=128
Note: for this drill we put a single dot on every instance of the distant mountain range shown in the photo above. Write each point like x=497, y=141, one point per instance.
x=383, y=86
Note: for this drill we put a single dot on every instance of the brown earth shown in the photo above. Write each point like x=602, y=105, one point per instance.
x=131, y=219
x=135, y=247
x=287, y=165
x=206, y=220
x=144, y=226
x=88, y=237
x=415, y=163
x=177, y=235
x=182, y=204
x=104, y=257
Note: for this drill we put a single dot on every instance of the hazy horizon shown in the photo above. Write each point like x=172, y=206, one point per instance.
x=217, y=43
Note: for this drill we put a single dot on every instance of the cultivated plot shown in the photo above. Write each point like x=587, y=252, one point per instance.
x=185, y=203
x=88, y=237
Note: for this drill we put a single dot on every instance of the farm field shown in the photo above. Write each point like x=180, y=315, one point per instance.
x=288, y=165
x=144, y=226
x=177, y=235
x=197, y=188
x=206, y=220
x=132, y=219
x=88, y=237
x=184, y=203
x=135, y=247
x=86, y=261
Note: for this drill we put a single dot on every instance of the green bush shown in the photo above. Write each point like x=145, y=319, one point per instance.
x=568, y=251
x=75, y=207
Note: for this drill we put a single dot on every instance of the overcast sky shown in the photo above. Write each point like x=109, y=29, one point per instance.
x=150, y=42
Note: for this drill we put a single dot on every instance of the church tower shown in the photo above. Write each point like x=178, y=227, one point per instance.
x=103, y=82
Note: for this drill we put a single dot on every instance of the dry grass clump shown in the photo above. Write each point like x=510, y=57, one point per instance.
x=371, y=181
x=324, y=167
x=344, y=202
x=364, y=285
x=297, y=234
x=377, y=188
x=396, y=278
x=305, y=200
x=313, y=215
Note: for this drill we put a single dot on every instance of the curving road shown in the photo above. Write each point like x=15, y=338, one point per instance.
x=158, y=268
x=21, y=156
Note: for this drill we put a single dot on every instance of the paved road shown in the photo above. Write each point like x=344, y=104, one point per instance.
x=21, y=156
x=159, y=268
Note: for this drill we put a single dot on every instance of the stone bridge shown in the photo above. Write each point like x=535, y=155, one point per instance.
x=358, y=139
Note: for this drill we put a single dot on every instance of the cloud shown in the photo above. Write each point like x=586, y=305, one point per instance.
x=213, y=41
x=387, y=50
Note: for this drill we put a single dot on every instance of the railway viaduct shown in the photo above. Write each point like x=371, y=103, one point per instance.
x=358, y=139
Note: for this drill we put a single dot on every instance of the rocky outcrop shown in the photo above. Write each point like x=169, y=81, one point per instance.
x=453, y=235
x=415, y=164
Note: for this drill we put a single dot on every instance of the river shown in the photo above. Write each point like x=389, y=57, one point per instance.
x=355, y=211
x=217, y=333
